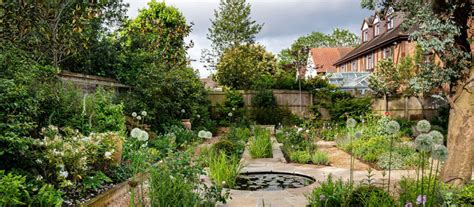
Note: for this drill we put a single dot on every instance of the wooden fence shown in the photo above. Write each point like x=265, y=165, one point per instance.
x=408, y=107
x=298, y=103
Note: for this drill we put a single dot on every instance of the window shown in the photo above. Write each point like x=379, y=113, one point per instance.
x=377, y=29
x=366, y=35
x=369, y=62
x=387, y=52
x=354, y=66
x=343, y=68
x=389, y=23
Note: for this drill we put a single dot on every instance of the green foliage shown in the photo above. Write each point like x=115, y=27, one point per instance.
x=223, y=170
x=330, y=193
x=340, y=105
x=95, y=181
x=466, y=195
x=302, y=156
x=410, y=189
x=47, y=197
x=231, y=26
x=243, y=66
x=224, y=146
x=183, y=136
x=13, y=189
x=320, y=158
x=233, y=103
x=260, y=144
x=370, y=196
x=371, y=149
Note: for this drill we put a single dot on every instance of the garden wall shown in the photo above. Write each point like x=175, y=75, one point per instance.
x=89, y=83
x=284, y=98
x=408, y=107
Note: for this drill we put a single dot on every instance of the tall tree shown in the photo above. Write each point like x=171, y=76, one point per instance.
x=232, y=26
x=297, y=53
x=442, y=28
x=54, y=30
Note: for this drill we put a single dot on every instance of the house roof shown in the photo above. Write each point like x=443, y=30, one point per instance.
x=324, y=58
x=368, y=20
x=382, y=40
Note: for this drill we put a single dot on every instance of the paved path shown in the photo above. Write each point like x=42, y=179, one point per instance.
x=296, y=196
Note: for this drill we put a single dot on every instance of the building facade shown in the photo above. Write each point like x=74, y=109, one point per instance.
x=381, y=38
x=321, y=60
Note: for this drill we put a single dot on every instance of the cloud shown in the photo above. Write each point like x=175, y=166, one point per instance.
x=284, y=20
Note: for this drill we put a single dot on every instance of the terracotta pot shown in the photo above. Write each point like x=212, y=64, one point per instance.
x=186, y=123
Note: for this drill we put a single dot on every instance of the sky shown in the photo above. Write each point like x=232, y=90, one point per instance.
x=284, y=20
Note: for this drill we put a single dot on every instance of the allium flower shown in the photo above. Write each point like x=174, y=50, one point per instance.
x=208, y=135
x=63, y=173
x=393, y=127
x=139, y=118
x=421, y=199
x=423, y=126
x=134, y=114
x=322, y=197
x=409, y=204
x=143, y=136
x=198, y=116
x=233, y=108
x=438, y=138
x=202, y=134
x=229, y=114
x=440, y=152
x=424, y=142
x=358, y=134
x=135, y=133
x=183, y=111
x=144, y=113
x=351, y=123
x=107, y=155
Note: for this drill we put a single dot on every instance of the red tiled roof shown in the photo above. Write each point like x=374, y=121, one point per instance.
x=324, y=58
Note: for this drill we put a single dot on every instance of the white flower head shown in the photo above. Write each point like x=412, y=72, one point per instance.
x=233, y=108
x=183, y=111
x=299, y=129
x=307, y=131
x=139, y=118
x=107, y=155
x=143, y=136
x=230, y=114
x=208, y=135
x=198, y=116
x=351, y=123
x=423, y=126
x=393, y=127
x=358, y=134
x=144, y=113
x=438, y=138
x=202, y=134
x=440, y=152
x=135, y=133
x=424, y=142
x=134, y=114
x=63, y=173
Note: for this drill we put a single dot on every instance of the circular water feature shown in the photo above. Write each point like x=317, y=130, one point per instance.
x=271, y=181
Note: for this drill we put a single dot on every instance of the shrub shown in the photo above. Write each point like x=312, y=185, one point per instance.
x=300, y=156
x=224, y=170
x=330, y=193
x=182, y=135
x=168, y=189
x=371, y=149
x=13, y=190
x=47, y=197
x=320, y=158
x=466, y=195
x=410, y=189
x=260, y=145
x=369, y=196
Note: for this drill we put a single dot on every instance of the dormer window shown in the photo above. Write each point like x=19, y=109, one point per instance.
x=366, y=35
x=377, y=30
x=389, y=23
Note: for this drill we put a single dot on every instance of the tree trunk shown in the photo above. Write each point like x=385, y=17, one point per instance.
x=458, y=167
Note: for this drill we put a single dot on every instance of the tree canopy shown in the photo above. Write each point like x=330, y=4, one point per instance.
x=243, y=66
x=231, y=26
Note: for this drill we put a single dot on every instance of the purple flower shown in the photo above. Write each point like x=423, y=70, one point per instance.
x=421, y=199
x=409, y=204
x=322, y=197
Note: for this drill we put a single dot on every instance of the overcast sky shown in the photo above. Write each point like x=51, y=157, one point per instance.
x=284, y=20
